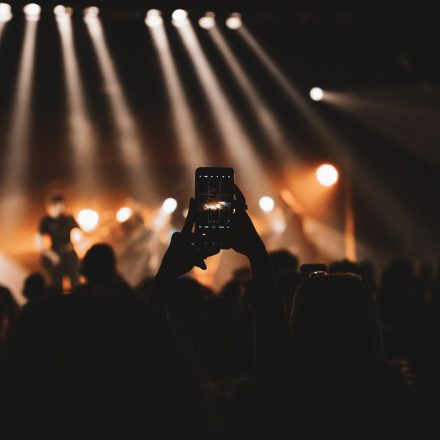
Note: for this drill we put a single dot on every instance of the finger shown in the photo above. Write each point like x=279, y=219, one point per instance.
x=190, y=218
x=209, y=251
x=240, y=201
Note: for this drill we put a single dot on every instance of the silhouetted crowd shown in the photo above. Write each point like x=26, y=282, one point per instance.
x=280, y=351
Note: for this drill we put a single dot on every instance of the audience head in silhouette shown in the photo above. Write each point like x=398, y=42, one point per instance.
x=99, y=265
x=34, y=287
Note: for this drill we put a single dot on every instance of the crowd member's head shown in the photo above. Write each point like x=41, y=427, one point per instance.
x=56, y=205
x=334, y=322
x=283, y=261
x=34, y=286
x=99, y=264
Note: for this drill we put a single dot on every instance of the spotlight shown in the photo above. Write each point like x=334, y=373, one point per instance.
x=32, y=11
x=5, y=12
x=91, y=13
x=153, y=18
x=61, y=11
x=179, y=17
x=234, y=21
x=327, y=175
x=207, y=21
x=88, y=219
x=124, y=214
x=169, y=205
x=266, y=204
x=316, y=93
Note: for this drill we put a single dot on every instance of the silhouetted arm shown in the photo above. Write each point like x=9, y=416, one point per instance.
x=181, y=256
x=271, y=328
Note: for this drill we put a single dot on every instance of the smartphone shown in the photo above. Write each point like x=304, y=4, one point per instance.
x=214, y=193
x=307, y=269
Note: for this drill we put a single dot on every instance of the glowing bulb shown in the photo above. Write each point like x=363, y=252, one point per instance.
x=153, y=18
x=327, y=175
x=88, y=219
x=91, y=13
x=179, y=17
x=5, y=12
x=207, y=21
x=124, y=214
x=32, y=11
x=169, y=205
x=234, y=21
x=266, y=204
x=316, y=94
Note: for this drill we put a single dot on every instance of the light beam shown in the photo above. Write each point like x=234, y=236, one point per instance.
x=128, y=134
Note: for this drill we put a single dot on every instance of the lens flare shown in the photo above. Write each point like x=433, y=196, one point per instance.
x=169, y=205
x=124, y=214
x=266, y=204
x=327, y=175
x=88, y=219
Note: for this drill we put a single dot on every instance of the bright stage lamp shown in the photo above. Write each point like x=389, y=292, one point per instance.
x=327, y=175
x=179, y=17
x=32, y=11
x=234, y=21
x=153, y=18
x=207, y=21
x=266, y=204
x=316, y=93
x=91, y=13
x=88, y=219
x=124, y=214
x=61, y=11
x=5, y=12
x=169, y=205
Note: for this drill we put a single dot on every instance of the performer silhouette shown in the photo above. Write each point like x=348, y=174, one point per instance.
x=59, y=258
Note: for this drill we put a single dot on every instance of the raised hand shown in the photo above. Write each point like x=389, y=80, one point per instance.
x=182, y=254
x=245, y=238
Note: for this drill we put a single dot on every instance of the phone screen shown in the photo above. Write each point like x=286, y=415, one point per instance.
x=214, y=196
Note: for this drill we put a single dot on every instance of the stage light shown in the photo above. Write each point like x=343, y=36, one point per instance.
x=234, y=21
x=91, y=14
x=179, y=17
x=124, y=214
x=316, y=93
x=169, y=205
x=76, y=235
x=266, y=204
x=207, y=21
x=327, y=175
x=153, y=18
x=5, y=12
x=88, y=219
x=32, y=11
